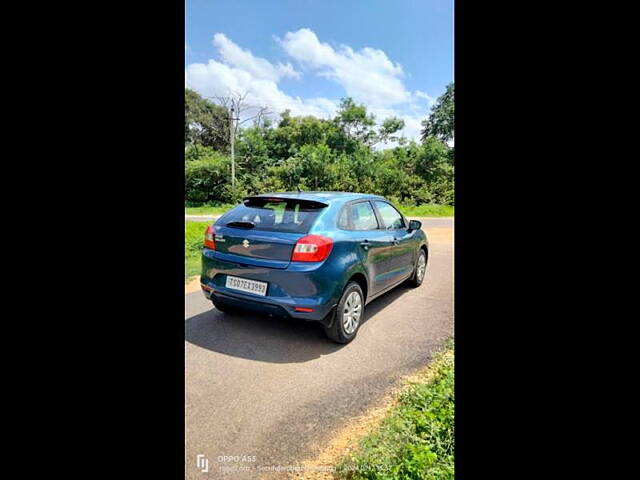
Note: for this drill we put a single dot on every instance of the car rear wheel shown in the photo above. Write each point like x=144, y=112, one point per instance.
x=419, y=270
x=348, y=315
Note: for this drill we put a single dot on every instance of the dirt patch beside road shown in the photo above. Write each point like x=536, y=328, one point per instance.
x=440, y=235
x=192, y=284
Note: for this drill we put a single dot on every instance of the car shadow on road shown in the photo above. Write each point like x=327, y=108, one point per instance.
x=270, y=339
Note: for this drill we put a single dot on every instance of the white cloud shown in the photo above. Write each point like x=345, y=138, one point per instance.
x=218, y=79
x=367, y=75
x=413, y=126
x=261, y=68
x=430, y=100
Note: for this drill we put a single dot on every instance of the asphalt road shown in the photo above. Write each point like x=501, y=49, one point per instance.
x=275, y=389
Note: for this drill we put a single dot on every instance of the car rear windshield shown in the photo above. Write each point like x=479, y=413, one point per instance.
x=274, y=214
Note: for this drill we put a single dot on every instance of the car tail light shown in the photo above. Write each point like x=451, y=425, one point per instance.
x=209, y=242
x=312, y=248
x=303, y=309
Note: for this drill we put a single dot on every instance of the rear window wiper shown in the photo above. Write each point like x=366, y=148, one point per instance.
x=241, y=224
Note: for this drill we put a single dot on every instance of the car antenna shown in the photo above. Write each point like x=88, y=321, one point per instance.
x=298, y=187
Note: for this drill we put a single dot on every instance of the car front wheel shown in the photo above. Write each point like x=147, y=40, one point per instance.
x=419, y=270
x=348, y=315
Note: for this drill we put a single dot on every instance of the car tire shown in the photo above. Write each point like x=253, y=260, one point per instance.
x=418, y=275
x=348, y=315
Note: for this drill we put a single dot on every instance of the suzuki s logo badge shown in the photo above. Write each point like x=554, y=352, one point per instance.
x=245, y=243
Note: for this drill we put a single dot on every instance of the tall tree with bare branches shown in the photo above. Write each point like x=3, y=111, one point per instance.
x=239, y=113
x=205, y=123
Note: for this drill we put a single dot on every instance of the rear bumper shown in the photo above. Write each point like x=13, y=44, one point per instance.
x=306, y=285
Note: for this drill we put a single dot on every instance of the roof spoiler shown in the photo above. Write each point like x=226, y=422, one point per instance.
x=276, y=198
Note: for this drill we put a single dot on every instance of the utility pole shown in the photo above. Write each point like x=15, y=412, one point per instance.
x=235, y=104
x=231, y=141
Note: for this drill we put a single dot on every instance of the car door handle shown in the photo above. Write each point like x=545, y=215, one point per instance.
x=365, y=244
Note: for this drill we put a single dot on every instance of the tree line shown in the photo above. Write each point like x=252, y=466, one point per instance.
x=345, y=153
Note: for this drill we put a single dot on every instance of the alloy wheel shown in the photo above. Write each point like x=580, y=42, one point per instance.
x=422, y=266
x=351, y=312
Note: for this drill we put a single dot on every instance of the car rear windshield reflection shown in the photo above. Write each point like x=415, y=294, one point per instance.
x=290, y=215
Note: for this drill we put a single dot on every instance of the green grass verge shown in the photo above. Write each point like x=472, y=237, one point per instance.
x=416, y=439
x=409, y=211
x=427, y=211
x=208, y=209
x=194, y=236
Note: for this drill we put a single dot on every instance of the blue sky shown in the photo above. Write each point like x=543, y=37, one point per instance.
x=395, y=56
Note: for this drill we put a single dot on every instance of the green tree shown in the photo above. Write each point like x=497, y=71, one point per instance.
x=433, y=160
x=252, y=149
x=205, y=123
x=318, y=154
x=355, y=122
x=294, y=132
x=389, y=127
x=195, y=151
x=440, y=123
x=359, y=126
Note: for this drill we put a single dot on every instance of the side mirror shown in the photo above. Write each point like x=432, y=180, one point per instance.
x=415, y=225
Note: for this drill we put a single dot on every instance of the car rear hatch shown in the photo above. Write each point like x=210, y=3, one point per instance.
x=263, y=231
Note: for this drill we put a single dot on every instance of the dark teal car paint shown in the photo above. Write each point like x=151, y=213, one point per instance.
x=382, y=257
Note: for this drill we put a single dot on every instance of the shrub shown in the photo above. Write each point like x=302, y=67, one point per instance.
x=205, y=178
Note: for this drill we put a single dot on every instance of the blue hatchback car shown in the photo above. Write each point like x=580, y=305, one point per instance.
x=318, y=256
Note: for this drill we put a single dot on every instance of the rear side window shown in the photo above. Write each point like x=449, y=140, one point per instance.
x=362, y=217
x=275, y=215
x=358, y=216
x=390, y=216
x=343, y=221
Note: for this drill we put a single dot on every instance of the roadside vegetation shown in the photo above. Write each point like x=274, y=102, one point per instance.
x=351, y=152
x=194, y=237
x=207, y=209
x=427, y=210
x=416, y=439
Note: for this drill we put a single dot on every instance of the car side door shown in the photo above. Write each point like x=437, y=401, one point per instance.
x=403, y=250
x=373, y=242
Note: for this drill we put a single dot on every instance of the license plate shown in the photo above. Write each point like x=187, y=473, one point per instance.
x=246, y=285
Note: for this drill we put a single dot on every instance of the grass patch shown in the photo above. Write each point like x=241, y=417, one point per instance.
x=429, y=210
x=416, y=439
x=194, y=236
x=208, y=209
